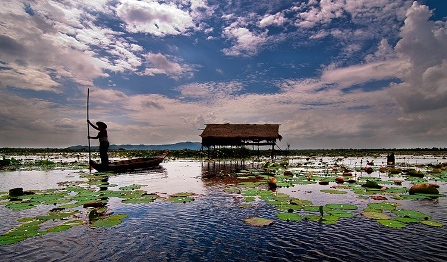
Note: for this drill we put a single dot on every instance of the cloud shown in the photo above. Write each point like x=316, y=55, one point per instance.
x=33, y=122
x=154, y=18
x=29, y=78
x=424, y=45
x=348, y=76
x=159, y=64
x=211, y=90
x=52, y=45
x=384, y=52
x=245, y=42
x=63, y=47
x=277, y=19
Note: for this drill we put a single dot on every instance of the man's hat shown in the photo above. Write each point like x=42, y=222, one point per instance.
x=101, y=124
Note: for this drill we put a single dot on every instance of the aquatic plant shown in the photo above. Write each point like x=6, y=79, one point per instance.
x=258, y=221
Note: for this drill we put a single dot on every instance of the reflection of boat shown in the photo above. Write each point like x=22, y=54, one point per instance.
x=128, y=165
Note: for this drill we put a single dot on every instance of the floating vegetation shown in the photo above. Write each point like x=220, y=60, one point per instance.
x=333, y=191
x=110, y=221
x=73, y=202
x=183, y=197
x=85, y=203
x=375, y=215
x=432, y=223
x=342, y=206
x=291, y=209
x=391, y=223
x=258, y=221
x=411, y=214
x=130, y=187
x=382, y=206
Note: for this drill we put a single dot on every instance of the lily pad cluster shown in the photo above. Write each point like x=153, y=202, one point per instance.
x=54, y=221
x=389, y=214
x=76, y=203
x=253, y=187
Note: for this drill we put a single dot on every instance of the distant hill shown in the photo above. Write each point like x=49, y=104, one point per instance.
x=176, y=146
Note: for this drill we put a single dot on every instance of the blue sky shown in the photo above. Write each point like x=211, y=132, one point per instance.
x=334, y=74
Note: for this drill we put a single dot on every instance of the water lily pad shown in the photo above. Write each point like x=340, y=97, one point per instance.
x=300, y=202
x=8, y=240
x=140, y=199
x=420, y=196
x=21, y=205
x=175, y=199
x=25, y=219
x=342, y=206
x=258, y=221
x=57, y=215
x=289, y=216
x=250, y=192
x=391, y=223
x=59, y=228
x=312, y=217
x=375, y=215
x=266, y=195
x=249, y=199
x=383, y=206
x=411, y=214
x=400, y=190
x=183, y=194
x=407, y=220
x=74, y=223
x=432, y=223
x=333, y=191
x=329, y=219
x=110, y=221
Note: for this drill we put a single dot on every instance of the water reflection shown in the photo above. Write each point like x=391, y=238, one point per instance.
x=211, y=228
x=221, y=168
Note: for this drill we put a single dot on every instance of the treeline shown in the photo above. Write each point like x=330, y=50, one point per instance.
x=231, y=152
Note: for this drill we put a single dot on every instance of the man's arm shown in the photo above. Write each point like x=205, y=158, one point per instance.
x=90, y=123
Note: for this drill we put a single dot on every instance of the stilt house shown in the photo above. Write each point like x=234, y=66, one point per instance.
x=240, y=135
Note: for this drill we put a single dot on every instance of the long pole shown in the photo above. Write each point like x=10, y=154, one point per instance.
x=88, y=132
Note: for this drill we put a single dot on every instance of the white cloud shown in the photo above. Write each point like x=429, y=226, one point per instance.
x=154, y=18
x=424, y=46
x=357, y=74
x=211, y=90
x=29, y=78
x=60, y=42
x=384, y=52
x=245, y=42
x=159, y=64
x=277, y=19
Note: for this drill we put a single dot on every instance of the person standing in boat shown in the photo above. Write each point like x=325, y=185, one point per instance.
x=103, y=141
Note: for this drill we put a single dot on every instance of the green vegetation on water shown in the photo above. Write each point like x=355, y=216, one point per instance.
x=85, y=203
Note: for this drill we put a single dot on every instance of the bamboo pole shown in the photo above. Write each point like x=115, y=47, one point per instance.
x=88, y=133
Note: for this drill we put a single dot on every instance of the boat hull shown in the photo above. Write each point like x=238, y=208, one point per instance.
x=129, y=165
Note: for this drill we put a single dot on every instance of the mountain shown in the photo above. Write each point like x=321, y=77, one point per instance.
x=176, y=146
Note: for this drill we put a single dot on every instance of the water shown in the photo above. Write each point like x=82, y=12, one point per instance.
x=212, y=227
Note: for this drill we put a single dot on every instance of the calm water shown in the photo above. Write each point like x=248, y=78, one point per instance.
x=212, y=227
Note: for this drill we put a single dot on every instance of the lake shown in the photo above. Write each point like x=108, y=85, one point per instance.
x=213, y=227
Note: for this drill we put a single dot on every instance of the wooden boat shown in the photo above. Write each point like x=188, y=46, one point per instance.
x=129, y=165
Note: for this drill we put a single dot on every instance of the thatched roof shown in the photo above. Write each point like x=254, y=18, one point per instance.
x=237, y=134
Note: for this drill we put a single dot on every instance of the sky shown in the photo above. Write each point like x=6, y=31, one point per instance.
x=333, y=73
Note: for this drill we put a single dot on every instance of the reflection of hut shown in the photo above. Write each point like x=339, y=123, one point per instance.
x=239, y=135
